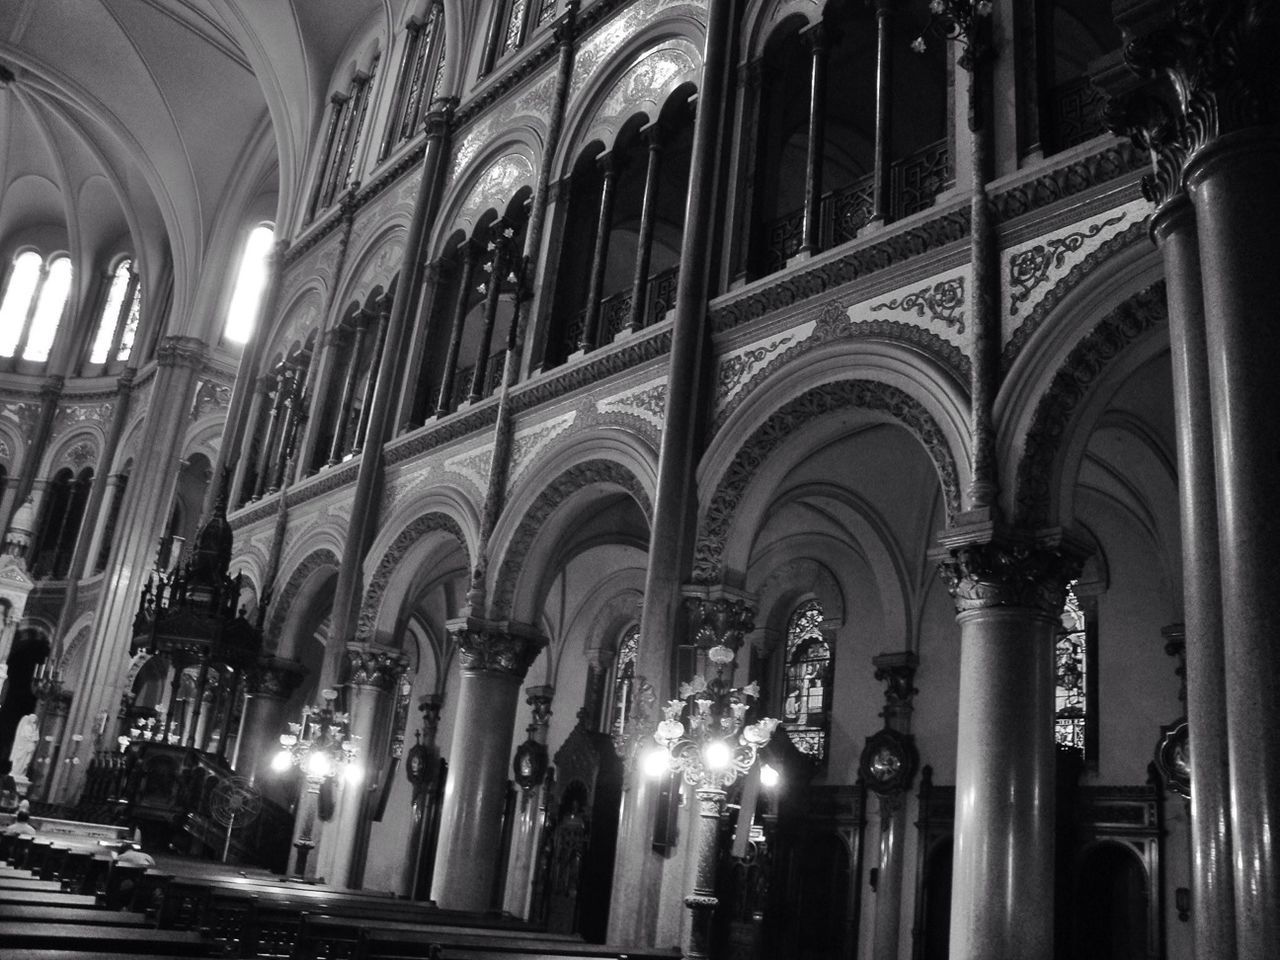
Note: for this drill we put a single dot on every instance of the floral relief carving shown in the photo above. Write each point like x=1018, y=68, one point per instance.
x=5, y=453
x=474, y=465
x=1030, y=268
x=1084, y=365
x=650, y=79
x=417, y=529
x=985, y=575
x=943, y=302
x=496, y=186
x=496, y=650
x=737, y=366
x=574, y=479
x=528, y=442
x=828, y=398
x=81, y=454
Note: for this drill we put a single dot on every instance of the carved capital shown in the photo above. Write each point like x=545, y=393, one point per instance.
x=495, y=647
x=718, y=617
x=370, y=667
x=897, y=671
x=1010, y=573
x=274, y=677
x=180, y=352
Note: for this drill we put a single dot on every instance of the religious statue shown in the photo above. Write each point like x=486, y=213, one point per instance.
x=24, y=746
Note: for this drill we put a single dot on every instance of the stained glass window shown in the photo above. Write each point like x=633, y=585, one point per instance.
x=1070, y=665
x=806, y=698
x=624, y=676
x=515, y=20
x=118, y=323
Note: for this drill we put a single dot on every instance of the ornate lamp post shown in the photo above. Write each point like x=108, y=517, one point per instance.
x=322, y=748
x=707, y=739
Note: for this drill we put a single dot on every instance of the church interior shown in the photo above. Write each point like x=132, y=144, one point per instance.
x=735, y=479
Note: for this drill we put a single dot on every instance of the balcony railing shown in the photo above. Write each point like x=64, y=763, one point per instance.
x=913, y=183
x=492, y=377
x=616, y=308
x=1075, y=110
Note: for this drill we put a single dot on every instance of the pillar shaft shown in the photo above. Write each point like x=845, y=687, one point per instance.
x=371, y=385
x=320, y=381
x=884, y=76
x=260, y=396
x=526, y=836
x=1212, y=898
x=493, y=289
x=1233, y=186
x=342, y=415
x=812, y=242
x=470, y=254
x=644, y=242
x=600, y=256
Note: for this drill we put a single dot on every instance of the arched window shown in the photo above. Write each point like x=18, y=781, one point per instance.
x=1071, y=674
x=251, y=278
x=34, y=299
x=806, y=698
x=624, y=678
x=415, y=85
x=118, y=322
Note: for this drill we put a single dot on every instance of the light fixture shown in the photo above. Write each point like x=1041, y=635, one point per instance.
x=655, y=762
x=769, y=776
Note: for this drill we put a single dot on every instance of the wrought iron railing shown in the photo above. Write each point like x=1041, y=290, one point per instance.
x=615, y=310
x=1075, y=109
x=913, y=183
x=492, y=377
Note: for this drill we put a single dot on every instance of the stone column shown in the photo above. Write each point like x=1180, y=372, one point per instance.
x=746, y=163
x=374, y=674
x=275, y=424
x=53, y=709
x=644, y=242
x=412, y=402
x=638, y=868
x=1212, y=896
x=888, y=768
x=815, y=36
x=342, y=413
x=371, y=384
x=497, y=268
x=600, y=256
x=268, y=686
x=1009, y=598
x=884, y=78
x=260, y=399
x=526, y=837
x=320, y=385
x=494, y=659
x=50, y=391
x=1233, y=186
x=469, y=251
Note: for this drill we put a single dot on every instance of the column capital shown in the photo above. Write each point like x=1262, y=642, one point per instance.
x=985, y=572
x=180, y=352
x=719, y=616
x=274, y=677
x=373, y=667
x=439, y=117
x=496, y=647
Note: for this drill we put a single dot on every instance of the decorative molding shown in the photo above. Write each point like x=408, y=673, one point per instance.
x=372, y=667
x=560, y=489
x=828, y=398
x=1030, y=268
x=530, y=441
x=943, y=302
x=1136, y=232
x=1084, y=365
x=282, y=604
x=1111, y=163
x=391, y=558
x=181, y=352
x=981, y=576
x=80, y=455
x=718, y=620
x=737, y=366
x=494, y=647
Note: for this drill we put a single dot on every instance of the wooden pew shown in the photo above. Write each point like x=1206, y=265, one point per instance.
x=46, y=898
x=23, y=913
x=126, y=941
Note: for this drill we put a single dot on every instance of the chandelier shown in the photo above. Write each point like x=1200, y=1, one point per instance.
x=705, y=734
x=321, y=746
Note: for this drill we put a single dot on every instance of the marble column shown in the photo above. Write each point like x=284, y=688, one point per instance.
x=884, y=114
x=1236, y=194
x=371, y=384
x=494, y=659
x=374, y=675
x=891, y=784
x=275, y=425
x=412, y=402
x=600, y=256
x=652, y=135
x=815, y=37
x=50, y=392
x=320, y=383
x=637, y=874
x=261, y=397
x=268, y=686
x=497, y=269
x=469, y=252
x=342, y=413
x=1009, y=598
x=526, y=836
x=1212, y=897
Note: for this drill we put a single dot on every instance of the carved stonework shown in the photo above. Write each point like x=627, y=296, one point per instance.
x=410, y=535
x=370, y=667
x=574, y=479
x=1030, y=268
x=719, y=620
x=494, y=647
x=282, y=604
x=943, y=302
x=897, y=671
x=1130, y=321
x=274, y=677
x=790, y=418
x=982, y=576
x=180, y=352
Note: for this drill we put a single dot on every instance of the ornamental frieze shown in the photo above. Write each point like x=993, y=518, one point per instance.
x=391, y=558
x=941, y=302
x=474, y=465
x=646, y=402
x=528, y=442
x=594, y=51
x=534, y=104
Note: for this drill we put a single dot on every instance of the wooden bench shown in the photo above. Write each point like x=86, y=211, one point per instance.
x=51, y=898
x=24, y=913
x=116, y=940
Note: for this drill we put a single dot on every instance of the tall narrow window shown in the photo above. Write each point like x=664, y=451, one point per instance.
x=624, y=677
x=118, y=323
x=806, y=702
x=19, y=293
x=515, y=26
x=415, y=85
x=250, y=280
x=52, y=301
x=1071, y=673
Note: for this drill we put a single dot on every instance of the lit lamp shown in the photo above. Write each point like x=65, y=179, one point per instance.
x=322, y=747
x=706, y=738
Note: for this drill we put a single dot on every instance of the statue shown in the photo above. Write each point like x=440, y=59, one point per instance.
x=24, y=746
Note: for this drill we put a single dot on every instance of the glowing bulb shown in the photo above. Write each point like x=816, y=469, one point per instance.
x=281, y=761
x=353, y=773
x=655, y=762
x=769, y=777
x=318, y=766
x=717, y=755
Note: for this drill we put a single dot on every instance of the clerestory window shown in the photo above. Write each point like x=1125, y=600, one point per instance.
x=118, y=322
x=35, y=298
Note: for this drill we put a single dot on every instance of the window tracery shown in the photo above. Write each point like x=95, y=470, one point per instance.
x=118, y=322
x=1070, y=675
x=807, y=676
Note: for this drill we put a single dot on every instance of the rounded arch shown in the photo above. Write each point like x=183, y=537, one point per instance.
x=79, y=449
x=876, y=400
x=301, y=315
x=284, y=632
x=514, y=573
x=764, y=18
x=1064, y=414
x=376, y=264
